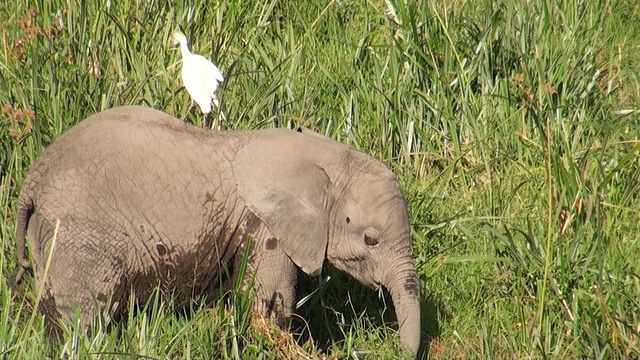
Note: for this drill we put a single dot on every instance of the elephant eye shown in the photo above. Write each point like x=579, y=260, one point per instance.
x=370, y=240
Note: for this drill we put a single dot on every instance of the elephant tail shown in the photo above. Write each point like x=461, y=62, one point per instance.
x=25, y=210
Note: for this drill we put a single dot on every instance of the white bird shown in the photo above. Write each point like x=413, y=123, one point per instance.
x=199, y=75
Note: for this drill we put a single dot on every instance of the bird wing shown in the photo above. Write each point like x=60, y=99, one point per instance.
x=201, y=78
x=210, y=75
x=216, y=72
x=198, y=83
x=208, y=69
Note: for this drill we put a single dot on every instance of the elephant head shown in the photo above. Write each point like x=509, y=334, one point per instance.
x=324, y=200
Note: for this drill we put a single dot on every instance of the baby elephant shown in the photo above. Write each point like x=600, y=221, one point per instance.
x=142, y=201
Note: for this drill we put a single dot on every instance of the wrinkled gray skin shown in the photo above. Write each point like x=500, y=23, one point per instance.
x=143, y=199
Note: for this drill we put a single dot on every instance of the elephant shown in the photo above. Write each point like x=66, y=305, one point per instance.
x=139, y=201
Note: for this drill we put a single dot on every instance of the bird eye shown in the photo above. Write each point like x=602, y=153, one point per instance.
x=370, y=240
x=348, y=220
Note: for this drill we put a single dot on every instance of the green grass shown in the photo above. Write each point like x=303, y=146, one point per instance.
x=499, y=118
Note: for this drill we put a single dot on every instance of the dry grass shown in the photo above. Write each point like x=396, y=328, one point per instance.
x=283, y=342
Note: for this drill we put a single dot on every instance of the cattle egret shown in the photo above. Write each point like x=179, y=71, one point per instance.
x=199, y=75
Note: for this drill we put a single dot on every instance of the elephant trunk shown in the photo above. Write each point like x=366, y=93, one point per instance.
x=403, y=285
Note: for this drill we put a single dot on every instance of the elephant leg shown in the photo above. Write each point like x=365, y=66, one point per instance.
x=82, y=273
x=39, y=235
x=275, y=279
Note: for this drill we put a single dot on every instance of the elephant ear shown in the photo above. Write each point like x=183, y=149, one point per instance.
x=289, y=193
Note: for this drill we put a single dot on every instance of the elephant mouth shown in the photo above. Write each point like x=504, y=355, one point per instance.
x=360, y=268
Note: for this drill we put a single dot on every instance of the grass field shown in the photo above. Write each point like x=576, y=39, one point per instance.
x=506, y=122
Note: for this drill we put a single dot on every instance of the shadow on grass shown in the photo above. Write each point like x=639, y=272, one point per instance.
x=344, y=303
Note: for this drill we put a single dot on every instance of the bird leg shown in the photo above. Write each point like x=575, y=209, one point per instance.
x=216, y=102
x=207, y=123
x=220, y=117
x=184, y=119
